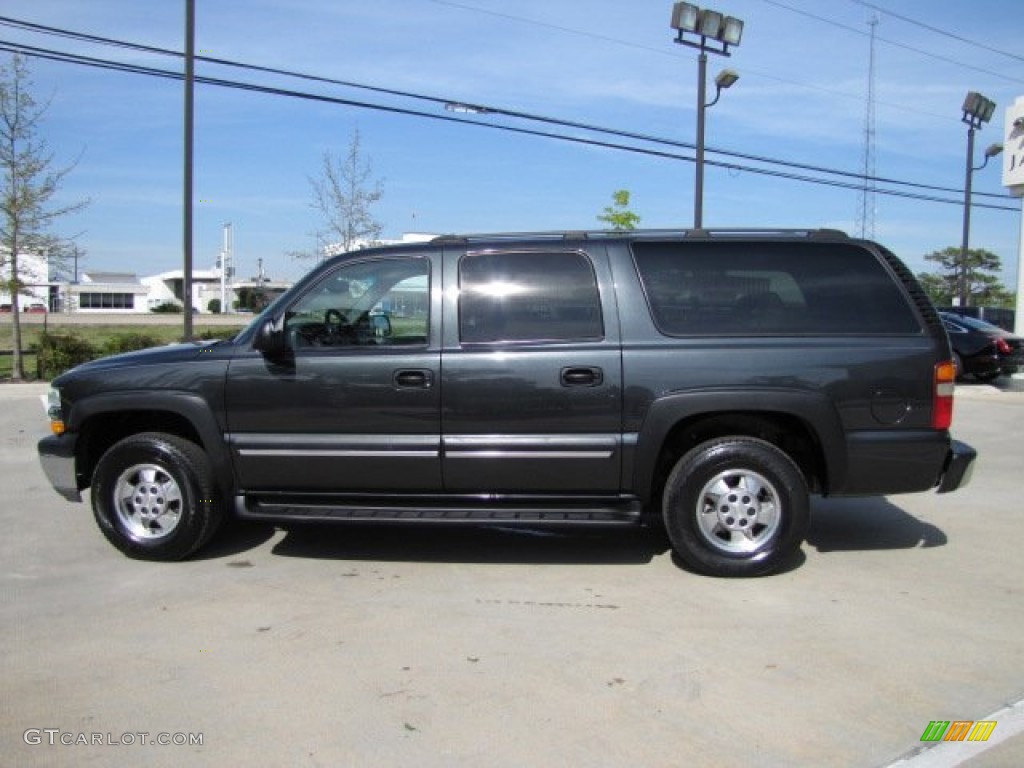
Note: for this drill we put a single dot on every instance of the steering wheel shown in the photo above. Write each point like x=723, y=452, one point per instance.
x=335, y=324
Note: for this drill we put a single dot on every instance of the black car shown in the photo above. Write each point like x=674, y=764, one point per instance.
x=981, y=349
x=704, y=382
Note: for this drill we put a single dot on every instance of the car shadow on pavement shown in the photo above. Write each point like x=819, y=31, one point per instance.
x=454, y=544
x=234, y=538
x=869, y=523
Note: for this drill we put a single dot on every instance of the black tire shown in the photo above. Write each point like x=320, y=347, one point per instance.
x=988, y=376
x=736, y=506
x=154, y=497
x=958, y=365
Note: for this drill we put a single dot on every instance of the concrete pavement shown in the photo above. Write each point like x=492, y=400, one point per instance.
x=402, y=647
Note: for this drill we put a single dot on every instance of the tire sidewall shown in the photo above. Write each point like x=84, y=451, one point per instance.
x=181, y=464
x=696, y=468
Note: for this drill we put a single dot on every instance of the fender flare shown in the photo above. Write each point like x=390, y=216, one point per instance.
x=188, y=405
x=813, y=409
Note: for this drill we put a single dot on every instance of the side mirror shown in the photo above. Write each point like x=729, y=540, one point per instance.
x=270, y=340
x=381, y=325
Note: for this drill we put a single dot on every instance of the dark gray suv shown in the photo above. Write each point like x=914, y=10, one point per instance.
x=706, y=381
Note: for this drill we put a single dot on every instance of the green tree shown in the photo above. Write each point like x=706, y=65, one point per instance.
x=618, y=216
x=344, y=194
x=30, y=181
x=974, y=279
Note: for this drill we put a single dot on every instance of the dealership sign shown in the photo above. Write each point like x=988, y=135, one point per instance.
x=1013, y=148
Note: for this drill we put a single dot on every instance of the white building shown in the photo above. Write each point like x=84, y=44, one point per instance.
x=34, y=272
x=102, y=292
x=169, y=287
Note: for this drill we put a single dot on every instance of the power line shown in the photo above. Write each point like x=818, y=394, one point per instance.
x=671, y=52
x=108, y=64
x=929, y=54
x=937, y=30
x=490, y=110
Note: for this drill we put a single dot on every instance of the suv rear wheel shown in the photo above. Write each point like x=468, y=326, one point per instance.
x=154, y=497
x=736, y=506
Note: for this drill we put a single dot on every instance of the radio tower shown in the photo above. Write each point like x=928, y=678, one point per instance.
x=867, y=193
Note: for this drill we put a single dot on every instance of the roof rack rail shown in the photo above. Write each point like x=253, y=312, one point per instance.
x=602, y=233
x=538, y=235
x=766, y=232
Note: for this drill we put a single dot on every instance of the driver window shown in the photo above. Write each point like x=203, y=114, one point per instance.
x=384, y=302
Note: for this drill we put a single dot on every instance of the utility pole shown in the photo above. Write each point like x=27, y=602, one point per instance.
x=190, y=86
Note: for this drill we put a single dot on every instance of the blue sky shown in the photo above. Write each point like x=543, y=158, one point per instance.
x=801, y=98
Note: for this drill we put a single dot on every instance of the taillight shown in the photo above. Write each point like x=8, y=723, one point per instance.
x=1002, y=347
x=942, y=402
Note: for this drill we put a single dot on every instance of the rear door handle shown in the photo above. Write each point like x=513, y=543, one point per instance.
x=413, y=378
x=584, y=376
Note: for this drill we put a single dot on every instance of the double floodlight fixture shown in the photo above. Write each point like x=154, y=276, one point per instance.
x=710, y=26
x=977, y=109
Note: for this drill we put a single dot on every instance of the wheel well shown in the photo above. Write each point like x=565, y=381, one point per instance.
x=788, y=433
x=102, y=431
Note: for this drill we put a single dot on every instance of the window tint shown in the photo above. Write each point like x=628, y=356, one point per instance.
x=770, y=288
x=528, y=296
x=372, y=303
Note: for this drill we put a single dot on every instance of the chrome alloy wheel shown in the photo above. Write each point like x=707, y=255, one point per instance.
x=738, y=511
x=148, y=501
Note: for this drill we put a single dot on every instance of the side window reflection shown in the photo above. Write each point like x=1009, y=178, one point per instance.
x=364, y=304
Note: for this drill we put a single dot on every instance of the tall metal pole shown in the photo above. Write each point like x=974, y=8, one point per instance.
x=962, y=283
x=190, y=40
x=1018, y=323
x=698, y=195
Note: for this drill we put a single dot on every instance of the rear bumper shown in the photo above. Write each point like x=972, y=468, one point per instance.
x=57, y=455
x=959, y=467
x=904, y=461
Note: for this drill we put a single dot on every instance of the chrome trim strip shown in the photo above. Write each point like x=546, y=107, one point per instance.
x=529, y=454
x=330, y=453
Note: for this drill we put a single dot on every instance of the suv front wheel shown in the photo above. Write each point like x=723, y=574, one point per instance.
x=154, y=497
x=736, y=506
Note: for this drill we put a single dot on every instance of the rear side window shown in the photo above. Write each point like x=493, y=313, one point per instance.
x=528, y=296
x=746, y=288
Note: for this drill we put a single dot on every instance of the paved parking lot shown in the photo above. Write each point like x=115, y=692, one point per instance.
x=421, y=647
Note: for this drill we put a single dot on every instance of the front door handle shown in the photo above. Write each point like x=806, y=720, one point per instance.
x=584, y=376
x=413, y=378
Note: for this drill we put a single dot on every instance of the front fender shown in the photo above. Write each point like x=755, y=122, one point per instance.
x=189, y=406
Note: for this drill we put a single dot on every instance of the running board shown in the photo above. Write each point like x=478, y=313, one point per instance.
x=539, y=513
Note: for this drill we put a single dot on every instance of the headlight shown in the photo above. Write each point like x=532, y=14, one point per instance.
x=51, y=404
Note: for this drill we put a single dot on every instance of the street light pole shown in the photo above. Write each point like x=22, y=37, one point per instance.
x=977, y=111
x=698, y=193
x=961, y=283
x=711, y=31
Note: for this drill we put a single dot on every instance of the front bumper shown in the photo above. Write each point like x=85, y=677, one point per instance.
x=959, y=467
x=57, y=455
